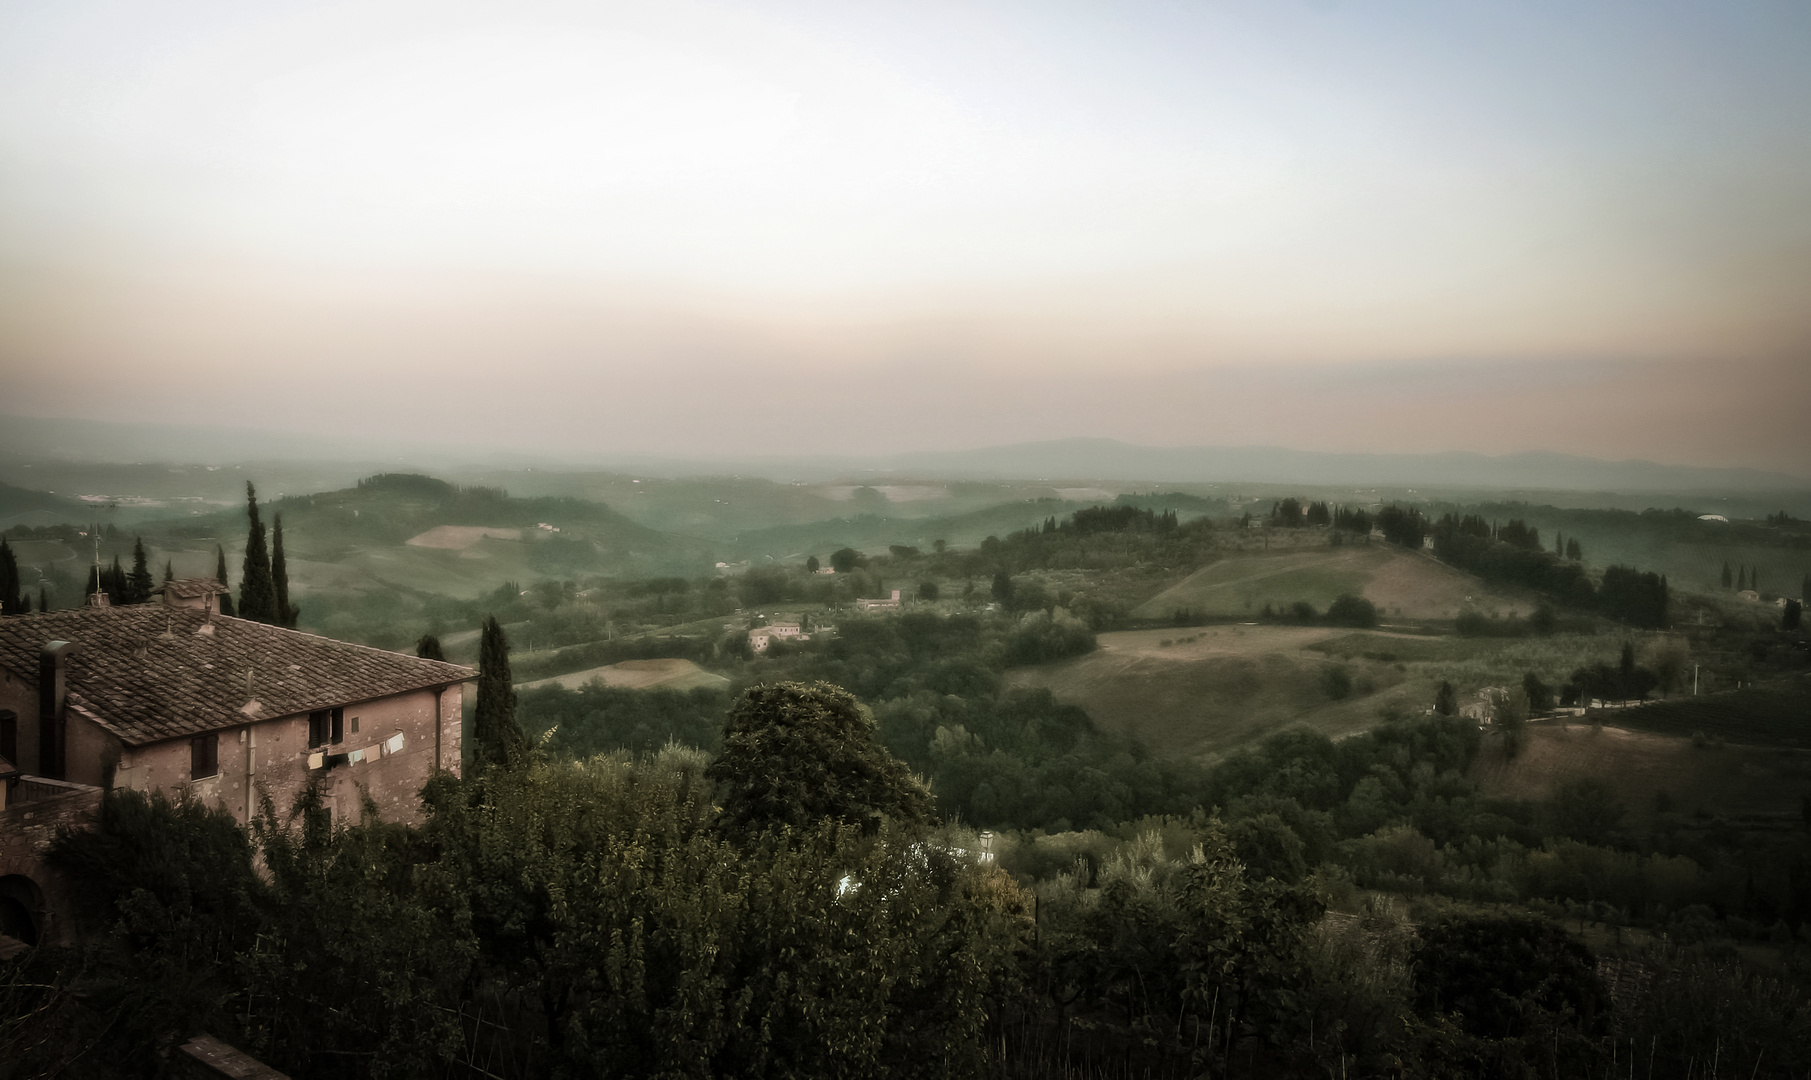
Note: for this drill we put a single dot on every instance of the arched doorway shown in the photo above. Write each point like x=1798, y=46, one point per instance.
x=20, y=903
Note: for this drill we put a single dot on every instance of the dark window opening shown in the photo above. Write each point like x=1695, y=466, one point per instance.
x=204, y=757
x=318, y=728
x=18, y=909
x=339, y=725
x=9, y=736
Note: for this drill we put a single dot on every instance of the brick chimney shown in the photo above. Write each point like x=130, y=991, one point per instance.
x=53, y=701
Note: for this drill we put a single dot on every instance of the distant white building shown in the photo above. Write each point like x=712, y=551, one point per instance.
x=763, y=636
x=873, y=605
x=1713, y=517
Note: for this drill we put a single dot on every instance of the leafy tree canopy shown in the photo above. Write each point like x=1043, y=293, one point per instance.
x=797, y=754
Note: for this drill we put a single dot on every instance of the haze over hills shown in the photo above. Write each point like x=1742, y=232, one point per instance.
x=39, y=442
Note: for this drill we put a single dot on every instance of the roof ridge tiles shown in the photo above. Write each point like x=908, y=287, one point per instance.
x=145, y=679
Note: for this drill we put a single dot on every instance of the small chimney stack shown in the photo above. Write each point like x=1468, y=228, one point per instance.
x=53, y=702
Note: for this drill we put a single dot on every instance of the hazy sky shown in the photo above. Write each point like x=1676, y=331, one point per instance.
x=690, y=227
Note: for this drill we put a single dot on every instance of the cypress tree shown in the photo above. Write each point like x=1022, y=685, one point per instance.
x=428, y=648
x=11, y=603
x=1728, y=580
x=257, y=592
x=43, y=600
x=116, y=584
x=169, y=572
x=496, y=740
x=226, y=598
x=138, y=589
x=279, y=575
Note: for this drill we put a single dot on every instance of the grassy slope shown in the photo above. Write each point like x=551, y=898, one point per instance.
x=357, y=538
x=670, y=674
x=873, y=532
x=1769, y=716
x=1401, y=583
x=1213, y=689
x=727, y=507
x=1736, y=781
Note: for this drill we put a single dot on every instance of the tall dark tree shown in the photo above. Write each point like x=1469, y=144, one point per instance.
x=795, y=754
x=112, y=581
x=497, y=740
x=1002, y=587
x=169, y=572
x=1446, y=700
x=257, y=591
x=139, y=583
x=811, y=564
x=428, y=648
x=279, y=575
x=43, y=599
x=226, y=598
x=1790, y=618
x=1742, y=577
x=1573, y=552
x=11, y=602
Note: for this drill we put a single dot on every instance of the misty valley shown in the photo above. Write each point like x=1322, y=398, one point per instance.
x=912, y=776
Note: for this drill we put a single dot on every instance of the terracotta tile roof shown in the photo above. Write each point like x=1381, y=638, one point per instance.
x=148, y=672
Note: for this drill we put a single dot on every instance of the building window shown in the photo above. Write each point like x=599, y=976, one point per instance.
x=204, y=757
x=355, y=725
x=327, y=725
x=9, y=736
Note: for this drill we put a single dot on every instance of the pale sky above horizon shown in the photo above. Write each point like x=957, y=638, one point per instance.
x=688, y=228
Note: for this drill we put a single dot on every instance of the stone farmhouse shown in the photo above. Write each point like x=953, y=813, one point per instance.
x=880, y=604
x=762, y=636
x=171, y=696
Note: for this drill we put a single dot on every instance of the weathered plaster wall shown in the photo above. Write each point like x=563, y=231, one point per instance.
x=22, y=698
x=26, y=830
x=271, y=757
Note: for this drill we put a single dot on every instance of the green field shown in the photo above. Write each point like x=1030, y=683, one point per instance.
x=1211, y=690
x=1770, y=716
x=666, y=674
x=1403, y=585
x=1652, y=774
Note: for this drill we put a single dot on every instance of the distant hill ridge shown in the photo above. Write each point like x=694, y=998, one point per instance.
x=1080, y=458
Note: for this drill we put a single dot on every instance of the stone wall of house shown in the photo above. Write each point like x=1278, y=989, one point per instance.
x=26, y=830
x=22, y=698
x=393, y=738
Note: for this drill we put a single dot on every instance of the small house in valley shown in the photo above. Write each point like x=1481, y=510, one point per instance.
x=762, y=636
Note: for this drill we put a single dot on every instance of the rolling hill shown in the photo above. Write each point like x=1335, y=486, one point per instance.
x=1403, y=584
